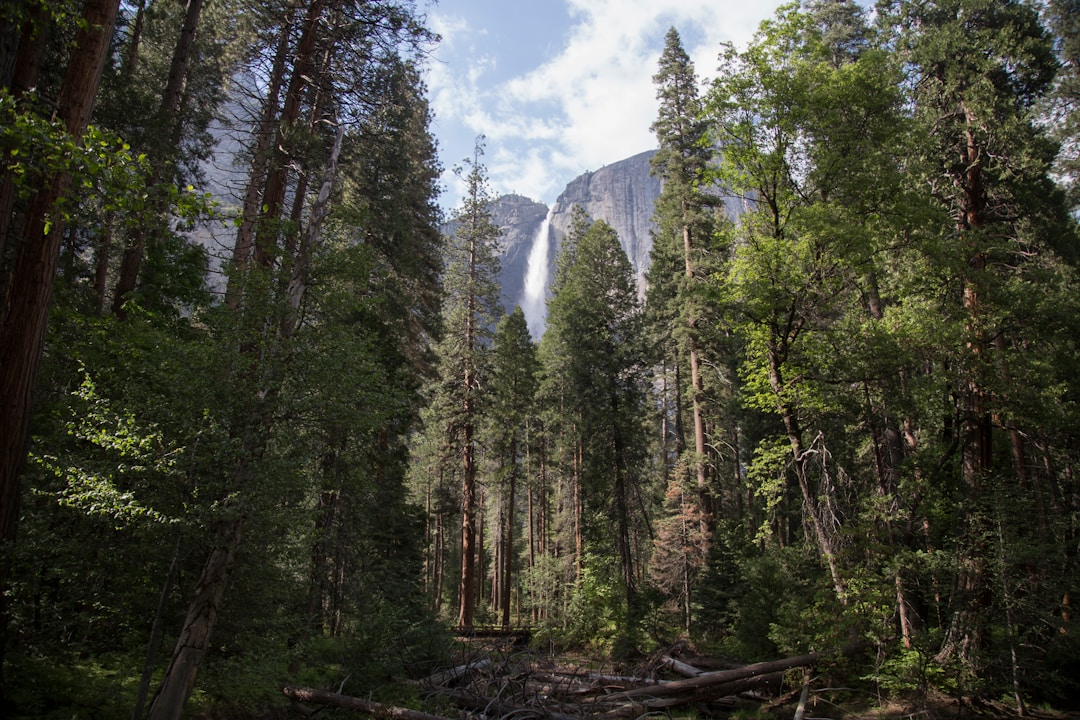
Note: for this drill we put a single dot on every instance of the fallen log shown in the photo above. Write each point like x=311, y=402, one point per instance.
x=496, y=708
x=618, y=707
x=446, y=677
x=690, y=686
x=680, y=668
x=348, y=702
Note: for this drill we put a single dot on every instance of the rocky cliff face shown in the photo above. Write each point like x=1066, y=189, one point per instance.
x=621, y=194
x=518, y=219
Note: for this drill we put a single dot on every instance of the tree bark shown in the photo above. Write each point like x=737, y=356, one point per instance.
x=170, y=103
x=274, y=192
x=156, y=630
x=695, y=378
x=722, y=677
x=32, y=39
x=508, y=540
x=24, y=316
x=179, y=679
x=260, y=155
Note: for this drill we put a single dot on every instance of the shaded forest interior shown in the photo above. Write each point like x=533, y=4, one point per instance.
x=270, y=443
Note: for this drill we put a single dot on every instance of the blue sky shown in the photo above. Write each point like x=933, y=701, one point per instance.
x=559, y=87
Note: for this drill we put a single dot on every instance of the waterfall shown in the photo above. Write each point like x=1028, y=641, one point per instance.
x=534, y=295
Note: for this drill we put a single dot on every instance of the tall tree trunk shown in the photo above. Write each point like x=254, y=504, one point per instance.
x=260, y=157
x=32, y=39
x=695, y=378
x=467, y=588
x=157, y=629
x=620, y=492
x=170, y=104
x=179, y=679
x=24, y=315
x=965, y=634
x=508, y=539
x=274, y=192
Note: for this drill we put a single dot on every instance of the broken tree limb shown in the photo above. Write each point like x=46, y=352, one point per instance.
x=680, y=668
x=618, y=707
x=446, y=677
x=325, y=697
x=706, y=680
x=800, y=711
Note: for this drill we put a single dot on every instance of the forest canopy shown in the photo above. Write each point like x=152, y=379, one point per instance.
x=264, y=421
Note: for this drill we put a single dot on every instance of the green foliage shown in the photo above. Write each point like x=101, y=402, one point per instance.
x=106, y=172
x=129, y=452
x=47, y=689
x=913, y=672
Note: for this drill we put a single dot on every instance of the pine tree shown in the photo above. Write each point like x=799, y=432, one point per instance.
x=470, y=312
x=593, y=365
x=509, y=422
x=683, y=230
x=978, y=71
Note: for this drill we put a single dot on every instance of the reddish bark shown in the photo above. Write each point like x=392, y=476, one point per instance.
x=25, y=311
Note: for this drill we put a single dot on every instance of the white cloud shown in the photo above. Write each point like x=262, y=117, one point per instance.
x=591, y=103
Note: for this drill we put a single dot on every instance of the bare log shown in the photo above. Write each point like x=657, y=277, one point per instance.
x=325, y=697
x=800, y=711
x=704, y=681
x=680, y=668
x=713, y=693
x=445, y=677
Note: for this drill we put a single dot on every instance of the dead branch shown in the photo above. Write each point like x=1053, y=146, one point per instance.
x=446, y=677
x=680, y=668
x=497, y=708
x=325, y=697
x=714, y=679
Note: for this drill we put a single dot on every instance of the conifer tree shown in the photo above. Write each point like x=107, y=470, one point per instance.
x=978, y=70
x=683, y=231
x=593, y=368
x=510, y=421
x=471, y=310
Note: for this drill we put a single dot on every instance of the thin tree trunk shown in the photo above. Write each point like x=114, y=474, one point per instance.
x=622, y=514
x=260, y=156
x=179, y=679
x=467, y=588
x=508, y=544
x=102, y=249
x=132, y=56
x=695, y=375
x=170, y=103
x=157, y=629
x=274, y=192
x=800, y=460
x=579, y=512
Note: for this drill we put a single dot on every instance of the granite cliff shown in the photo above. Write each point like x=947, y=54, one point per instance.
x=621, y=194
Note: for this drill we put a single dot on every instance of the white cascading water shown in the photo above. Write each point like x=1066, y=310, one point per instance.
x=534, y=294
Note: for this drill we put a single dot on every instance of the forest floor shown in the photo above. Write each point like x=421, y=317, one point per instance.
x=500, y=679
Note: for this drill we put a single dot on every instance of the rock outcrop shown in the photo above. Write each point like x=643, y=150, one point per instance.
x=621, y=194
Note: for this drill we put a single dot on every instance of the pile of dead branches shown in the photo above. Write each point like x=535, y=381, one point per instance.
x=525, y=685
